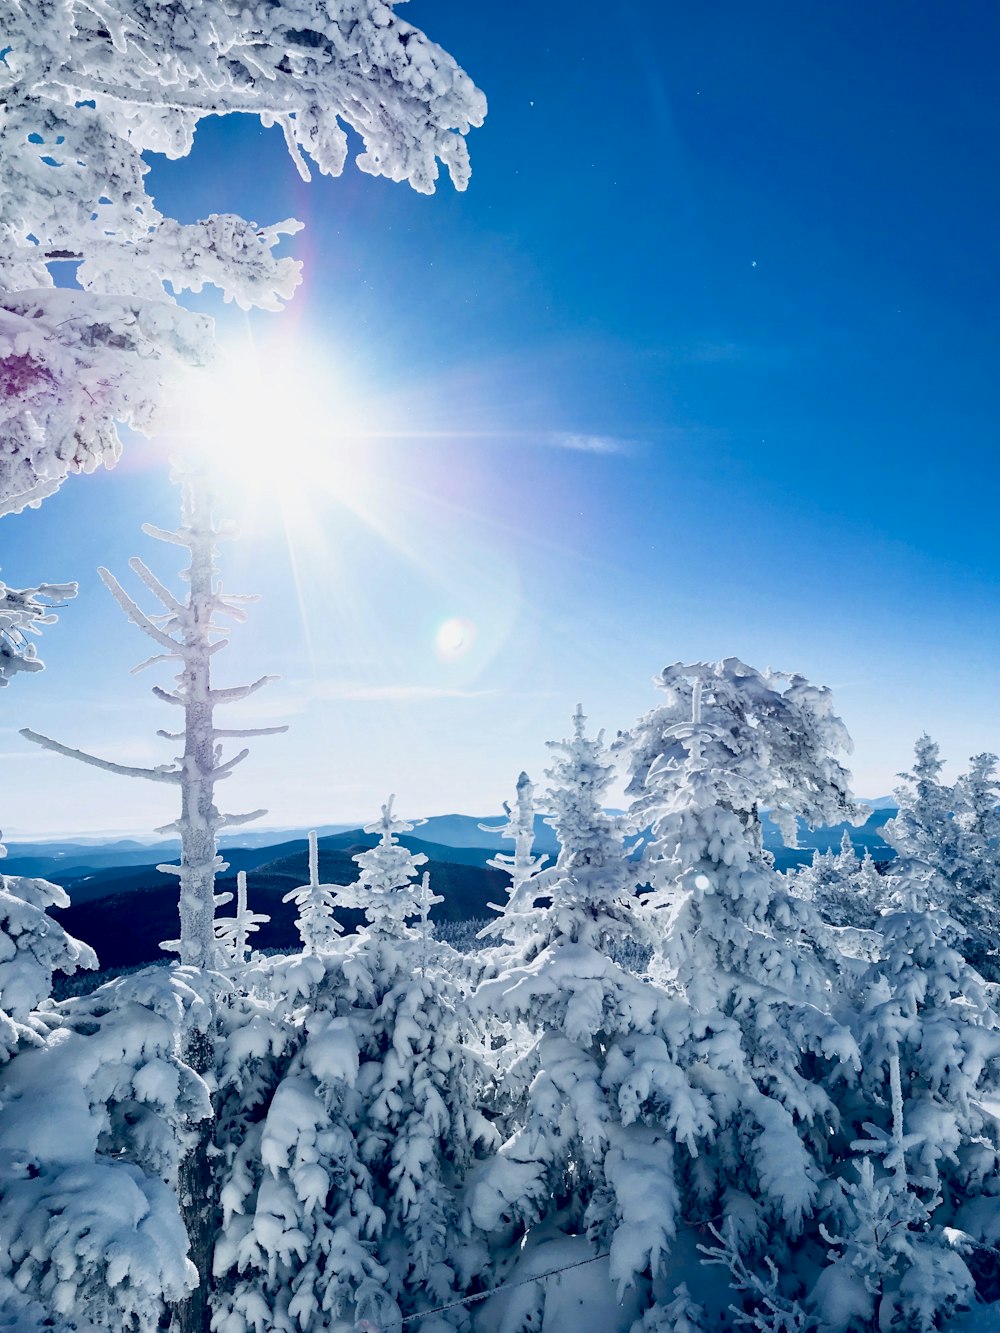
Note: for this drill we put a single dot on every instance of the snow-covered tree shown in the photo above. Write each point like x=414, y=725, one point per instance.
x=599, y=1109
x=929, y=1037
x=32, y=945
x=947, y=840
x=923, y=832
x=761, y=1042
x=189, y=632
x=519, y=827
x=232, y=933
x=88, y=91
x=97, y=1119
x=387, y=889
x=317, y=926
x=343, y=1199
x=848, y=892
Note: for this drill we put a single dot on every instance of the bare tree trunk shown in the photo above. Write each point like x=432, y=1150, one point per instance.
x=197, y=1193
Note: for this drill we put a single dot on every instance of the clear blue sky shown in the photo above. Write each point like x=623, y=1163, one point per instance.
x=703, y=363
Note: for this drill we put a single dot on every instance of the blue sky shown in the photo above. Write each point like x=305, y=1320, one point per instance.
x=703, y=363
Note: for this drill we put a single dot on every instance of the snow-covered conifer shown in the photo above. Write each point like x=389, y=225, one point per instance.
x=233, y=933
x=343, y=1201
x=762, y=1043
x=847, y=858
x=848, y=893
x=923, y=832
x=599, y=1108
x=947, y=840
x=96, y=1123
x=387, y=889
x=929, y=1037
x=189, y=632
x=32, y=947
x=519, y=827
x=85, y=96
x=317, y=926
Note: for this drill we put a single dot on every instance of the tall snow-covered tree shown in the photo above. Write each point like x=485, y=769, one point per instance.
x=521, y=865
x=387, y=889
x=97, y=1121
x=599, y=1109
x=86, y=92
x=760, y=1040
x=929, y=1039
x=947, y=840
x=189, y=632
x=317, y=926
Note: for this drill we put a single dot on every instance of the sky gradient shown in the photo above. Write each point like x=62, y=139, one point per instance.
x=703, y=363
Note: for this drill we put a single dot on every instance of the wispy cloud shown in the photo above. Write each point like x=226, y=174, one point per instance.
x=590, y=444
x=357, y=692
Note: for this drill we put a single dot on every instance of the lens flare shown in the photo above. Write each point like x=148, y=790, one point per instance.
x=455, y=638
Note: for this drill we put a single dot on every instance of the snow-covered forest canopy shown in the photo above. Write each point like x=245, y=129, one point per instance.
x=669, y=1088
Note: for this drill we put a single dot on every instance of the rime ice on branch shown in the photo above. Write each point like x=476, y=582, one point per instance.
x=22, y=612
x=188, y=632
x=86, y=90
x=232, y=933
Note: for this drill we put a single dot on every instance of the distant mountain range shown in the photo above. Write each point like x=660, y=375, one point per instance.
x=123, y=906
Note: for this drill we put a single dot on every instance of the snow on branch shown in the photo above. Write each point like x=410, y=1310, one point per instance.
x=87, y=89
x=162, y=773
x=22, y=613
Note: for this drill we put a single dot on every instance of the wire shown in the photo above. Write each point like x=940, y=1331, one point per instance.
x=538, y=1277
x=507, y=1286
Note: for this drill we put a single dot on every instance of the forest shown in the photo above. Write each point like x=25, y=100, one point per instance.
x=666, y=1088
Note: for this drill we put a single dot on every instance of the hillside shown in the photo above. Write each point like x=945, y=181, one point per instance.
x=136, y=910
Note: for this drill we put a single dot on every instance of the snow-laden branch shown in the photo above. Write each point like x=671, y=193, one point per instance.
x=23, y=611
x=158, y=774
x=137, y=616
x=158, y=589
x=237, y=692
x=235, y=733
x=87, y=89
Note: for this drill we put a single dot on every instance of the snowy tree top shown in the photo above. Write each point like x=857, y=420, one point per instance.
x=759, y=739
x=386, y=889
x=317, y=926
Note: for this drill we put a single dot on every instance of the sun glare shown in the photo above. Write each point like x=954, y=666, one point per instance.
x=276, y=423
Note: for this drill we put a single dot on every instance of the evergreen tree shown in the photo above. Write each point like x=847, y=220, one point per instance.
x=343, y=1199
x=317, y=926
x=597, y=1099
x=761, y=1039
x=947, y=840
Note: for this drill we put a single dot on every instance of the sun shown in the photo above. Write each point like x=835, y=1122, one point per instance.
x=275, y=421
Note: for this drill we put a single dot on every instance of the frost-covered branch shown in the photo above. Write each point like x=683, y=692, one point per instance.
x=771, y=1311
x=160, y=774
x=23, y=611
x=87, y=90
